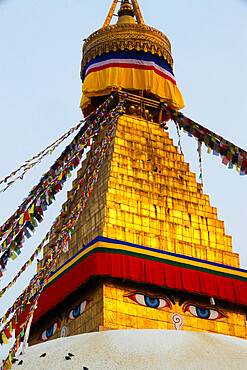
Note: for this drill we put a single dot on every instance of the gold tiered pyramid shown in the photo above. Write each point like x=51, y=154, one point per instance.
x=148, y=250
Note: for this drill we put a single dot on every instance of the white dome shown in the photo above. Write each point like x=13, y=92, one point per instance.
x=139, y=349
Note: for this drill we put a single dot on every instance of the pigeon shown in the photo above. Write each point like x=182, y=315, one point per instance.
x=14, y=360
x=67, y=358
x=70, y=354
x=20, y=362
x=43, y=355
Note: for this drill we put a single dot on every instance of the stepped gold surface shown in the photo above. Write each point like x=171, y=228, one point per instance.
x=165, y=209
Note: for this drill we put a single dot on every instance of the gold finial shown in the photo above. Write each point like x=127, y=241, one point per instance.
x=126, y=13
x=136, y=10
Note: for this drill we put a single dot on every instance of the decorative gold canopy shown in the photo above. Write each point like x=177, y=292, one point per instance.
x=123, y=36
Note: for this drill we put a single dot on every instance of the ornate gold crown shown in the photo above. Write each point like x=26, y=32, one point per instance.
x=126, y=34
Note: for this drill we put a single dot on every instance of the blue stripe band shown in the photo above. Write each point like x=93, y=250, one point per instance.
x=129, y=54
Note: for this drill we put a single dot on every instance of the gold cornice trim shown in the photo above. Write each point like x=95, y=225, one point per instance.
x=126, y=36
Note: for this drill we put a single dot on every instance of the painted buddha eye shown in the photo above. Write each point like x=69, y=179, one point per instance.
x=204, y=312
x=148, y=301
x=78, y=310
x=47, y=333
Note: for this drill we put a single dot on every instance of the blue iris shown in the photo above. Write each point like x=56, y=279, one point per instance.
x=49, y=332
x=76, y=311
x=151, y=301
x=203, y=313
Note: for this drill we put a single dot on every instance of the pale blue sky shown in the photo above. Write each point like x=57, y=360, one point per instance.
x=40, y=90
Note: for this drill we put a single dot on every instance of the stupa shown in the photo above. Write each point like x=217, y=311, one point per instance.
x=148, y=251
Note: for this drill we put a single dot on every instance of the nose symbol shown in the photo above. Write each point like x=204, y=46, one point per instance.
x=177, y=321
x=64, y=332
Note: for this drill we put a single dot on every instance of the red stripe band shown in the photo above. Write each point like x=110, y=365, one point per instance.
x=131, y=65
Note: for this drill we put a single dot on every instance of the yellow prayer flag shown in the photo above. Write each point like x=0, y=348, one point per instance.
x=11, y=327
x=21, y=222
x=13, y=256
x=5, y=243
x=4, y=338
x=32, y=209
x=60, y=176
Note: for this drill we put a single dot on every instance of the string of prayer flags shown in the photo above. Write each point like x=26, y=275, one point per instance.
x=40, y=279
x=199, y=150
x=23, y=300
x=32, y=210
x=231, y=154
x=66, y=205
x=23, y=268
x=30, y=163
x=179, y=138
x=7, y=363
x=37, y=216
x=91, y=122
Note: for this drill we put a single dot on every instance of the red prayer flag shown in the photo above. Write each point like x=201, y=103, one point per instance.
x=6, y=331
x=225, y=160
x=26, y=217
